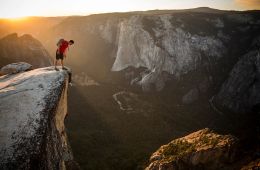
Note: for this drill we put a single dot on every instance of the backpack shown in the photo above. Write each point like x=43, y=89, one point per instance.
x=60, y=42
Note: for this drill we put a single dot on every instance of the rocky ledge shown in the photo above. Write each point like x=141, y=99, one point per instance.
x=203, y=149
x=33, y=106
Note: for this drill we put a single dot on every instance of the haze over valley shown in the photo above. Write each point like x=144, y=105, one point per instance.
x=142, y=79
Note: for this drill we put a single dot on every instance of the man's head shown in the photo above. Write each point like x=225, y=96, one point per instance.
x=71, y=42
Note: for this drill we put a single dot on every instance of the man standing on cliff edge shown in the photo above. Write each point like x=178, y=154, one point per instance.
x=61, y=51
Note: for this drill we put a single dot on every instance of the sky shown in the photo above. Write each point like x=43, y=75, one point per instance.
x=21, y=8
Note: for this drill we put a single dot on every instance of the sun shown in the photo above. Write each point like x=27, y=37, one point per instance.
x=17, y=15
x=15, y=18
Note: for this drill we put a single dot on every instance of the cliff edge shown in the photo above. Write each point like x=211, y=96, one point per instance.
x=33, y=106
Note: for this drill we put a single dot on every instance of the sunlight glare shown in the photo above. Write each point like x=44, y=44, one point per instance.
x=22, y=8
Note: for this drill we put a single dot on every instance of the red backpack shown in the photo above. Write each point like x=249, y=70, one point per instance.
x=60, y=42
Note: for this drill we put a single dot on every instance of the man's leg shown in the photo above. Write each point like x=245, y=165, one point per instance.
x=56, y=60
x=55, y=63
x=62, y=63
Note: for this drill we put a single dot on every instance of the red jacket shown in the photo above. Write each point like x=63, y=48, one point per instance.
x=64, y=45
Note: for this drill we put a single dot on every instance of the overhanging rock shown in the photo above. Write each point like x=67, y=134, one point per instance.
x=33, y=106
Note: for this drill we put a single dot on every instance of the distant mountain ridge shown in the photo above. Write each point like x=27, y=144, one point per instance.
x=28, y=25
x=204, y=31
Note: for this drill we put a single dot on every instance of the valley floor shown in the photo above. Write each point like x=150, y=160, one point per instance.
x=105, y=136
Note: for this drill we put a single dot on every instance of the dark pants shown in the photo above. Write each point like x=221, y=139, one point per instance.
x=59, y=56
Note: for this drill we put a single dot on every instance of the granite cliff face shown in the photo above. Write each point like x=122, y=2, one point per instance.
x=24, y=48
x=168, y=73
x=158, y=44
x=151, y=49
x=33, y=106
x=240, y=93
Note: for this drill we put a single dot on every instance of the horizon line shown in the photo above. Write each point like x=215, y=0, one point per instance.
x=111, y=12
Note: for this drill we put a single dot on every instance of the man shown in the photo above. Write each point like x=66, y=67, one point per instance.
x=61, y=51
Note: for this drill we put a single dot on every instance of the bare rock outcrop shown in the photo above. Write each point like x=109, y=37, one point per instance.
x=33, y=106
x=203, y=149
x=15, y=68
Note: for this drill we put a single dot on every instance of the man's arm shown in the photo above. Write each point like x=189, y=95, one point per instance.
x=65, y=53
x=58, y=50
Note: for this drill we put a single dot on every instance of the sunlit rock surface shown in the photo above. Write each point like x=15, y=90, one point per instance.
x=203, y=149
x=162, y=47
x=33, y=106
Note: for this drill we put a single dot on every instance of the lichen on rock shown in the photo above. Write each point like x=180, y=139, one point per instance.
x=201, y=149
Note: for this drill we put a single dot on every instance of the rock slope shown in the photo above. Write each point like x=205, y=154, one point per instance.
x=240, y=93
x=33, y=106
x=24, y=48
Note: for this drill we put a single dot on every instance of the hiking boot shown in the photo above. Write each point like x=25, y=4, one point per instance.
x=64, y=68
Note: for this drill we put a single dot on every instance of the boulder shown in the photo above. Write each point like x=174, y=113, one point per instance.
x=203, y=149
x=15, y=68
